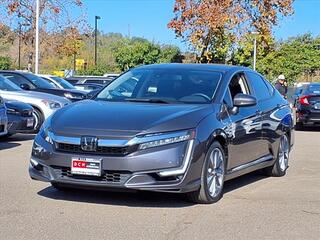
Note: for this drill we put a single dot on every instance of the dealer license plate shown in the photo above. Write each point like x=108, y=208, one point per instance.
x=86, y=166
x=30, y=122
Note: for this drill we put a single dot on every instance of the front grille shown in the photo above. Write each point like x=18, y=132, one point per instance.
x=112, y=151
x=107, y=176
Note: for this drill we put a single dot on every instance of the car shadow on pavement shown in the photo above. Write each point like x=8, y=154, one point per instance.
x=140, y=199
x=309, y=129
x=13, y=141
x=8, y=145
x=129, y=199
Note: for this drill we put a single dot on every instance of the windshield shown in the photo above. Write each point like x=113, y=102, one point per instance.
x=65, y=84
x=162, y=86
x=39, y=82
x=315, y=89
x=7, y=85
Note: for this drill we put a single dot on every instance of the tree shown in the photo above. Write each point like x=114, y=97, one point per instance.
x=55, y=17
x=211, y=26
x=293, y=58
x=5, y=63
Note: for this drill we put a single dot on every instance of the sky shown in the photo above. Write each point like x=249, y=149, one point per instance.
x=149, y=18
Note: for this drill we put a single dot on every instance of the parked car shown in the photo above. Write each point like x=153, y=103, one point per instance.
x=31, y=82
x=307, y=105
x=3, y=118
x=91, y=79
x=88, y=87
x=43, y=104
x=20, y=117
x=57, y=82
x=183, y=128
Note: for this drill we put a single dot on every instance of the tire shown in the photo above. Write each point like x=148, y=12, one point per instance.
x=280, y=166
x=38, y=120
x=299, y=126
x=213, y=170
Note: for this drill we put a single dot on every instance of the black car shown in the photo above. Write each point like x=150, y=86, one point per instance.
x=20, y=117
x=30, y=82
x=307, y=105
x=179, y=128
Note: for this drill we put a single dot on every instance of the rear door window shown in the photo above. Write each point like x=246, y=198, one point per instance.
x=259, y=86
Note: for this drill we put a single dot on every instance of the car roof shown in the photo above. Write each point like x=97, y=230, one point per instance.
x=195, y=66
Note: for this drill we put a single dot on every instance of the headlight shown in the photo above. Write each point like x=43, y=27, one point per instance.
x=52, y=104
x=13, y=111
x=156, y=140
x=71, y=96
x=45, y=130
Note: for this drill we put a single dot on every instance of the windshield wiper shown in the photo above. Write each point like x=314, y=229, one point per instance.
x=149, y=100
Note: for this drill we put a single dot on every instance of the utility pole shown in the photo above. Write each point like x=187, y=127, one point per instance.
x=19, y=47
x=95, y=38
x=254, y=49
x=37, y=38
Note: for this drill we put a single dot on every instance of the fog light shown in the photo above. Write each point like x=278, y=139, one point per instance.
x=33, y=162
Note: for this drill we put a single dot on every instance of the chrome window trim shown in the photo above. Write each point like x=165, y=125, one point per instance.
x=119, y=142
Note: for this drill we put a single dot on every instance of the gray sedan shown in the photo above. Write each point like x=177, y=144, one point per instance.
x=44, y=104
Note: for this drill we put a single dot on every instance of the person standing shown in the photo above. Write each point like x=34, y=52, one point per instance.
x=282, y=85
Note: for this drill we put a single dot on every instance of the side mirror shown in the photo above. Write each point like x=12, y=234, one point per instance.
x=244, y=100
x=25, y=86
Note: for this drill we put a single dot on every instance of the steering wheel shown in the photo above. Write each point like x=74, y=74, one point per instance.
x=202, y=95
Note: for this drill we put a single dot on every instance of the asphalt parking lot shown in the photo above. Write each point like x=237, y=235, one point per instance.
x=253, y=206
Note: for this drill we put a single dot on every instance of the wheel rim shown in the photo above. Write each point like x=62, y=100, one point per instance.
x=215, y=172
x=36, y=121
x=283, y=153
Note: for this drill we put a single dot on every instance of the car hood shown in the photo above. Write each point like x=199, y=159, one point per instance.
x=33, y=96
x=126, y=119
x=20, y=106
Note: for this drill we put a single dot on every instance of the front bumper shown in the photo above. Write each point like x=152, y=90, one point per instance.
x=136, y=171
x=19, y=124
x=3, y=125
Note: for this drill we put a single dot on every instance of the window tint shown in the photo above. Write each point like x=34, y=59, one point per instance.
x=259, y=86
x=237, y=85
x=18, y=80
x=189, y=86
x=269, y=86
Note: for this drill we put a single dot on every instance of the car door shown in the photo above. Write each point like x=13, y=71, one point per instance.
x=245, y=142
x=268, y=107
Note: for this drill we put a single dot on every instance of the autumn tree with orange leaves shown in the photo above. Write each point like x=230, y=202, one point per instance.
x=212, y=27
x=55, y=19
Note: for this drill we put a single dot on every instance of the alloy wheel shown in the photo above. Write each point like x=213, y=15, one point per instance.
x=283, y=153
x=215, y=173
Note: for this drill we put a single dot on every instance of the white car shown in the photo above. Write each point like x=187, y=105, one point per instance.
x=57, y=82
x=43, y=104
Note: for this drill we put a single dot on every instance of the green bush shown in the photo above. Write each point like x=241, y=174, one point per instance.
x=5, y=63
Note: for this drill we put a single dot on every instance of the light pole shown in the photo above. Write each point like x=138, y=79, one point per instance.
x=36, y=68
x=254, y=49
x=95, y=38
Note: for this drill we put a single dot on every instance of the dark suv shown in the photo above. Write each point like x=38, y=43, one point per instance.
x=183, y=128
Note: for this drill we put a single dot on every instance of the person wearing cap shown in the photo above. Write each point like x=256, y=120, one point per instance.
x=282, y=85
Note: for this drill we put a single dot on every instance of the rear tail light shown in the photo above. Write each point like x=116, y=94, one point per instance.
x=304, y=100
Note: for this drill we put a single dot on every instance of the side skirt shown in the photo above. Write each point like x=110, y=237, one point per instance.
x=260, y=163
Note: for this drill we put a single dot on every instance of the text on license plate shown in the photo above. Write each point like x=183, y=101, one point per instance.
x=86, y=166
x=29, y=122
